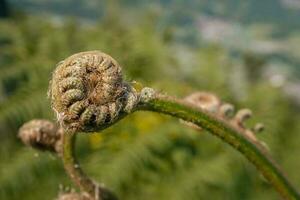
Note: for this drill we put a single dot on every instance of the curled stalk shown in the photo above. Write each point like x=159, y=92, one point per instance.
x=45, y=135
x=94, y=190
x=88, y=94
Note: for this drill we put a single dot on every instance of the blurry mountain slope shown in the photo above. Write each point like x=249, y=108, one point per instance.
x=284, y=14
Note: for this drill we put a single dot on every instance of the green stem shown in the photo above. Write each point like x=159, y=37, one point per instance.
x=254, y=153
x=77, y=175
x=179, y=109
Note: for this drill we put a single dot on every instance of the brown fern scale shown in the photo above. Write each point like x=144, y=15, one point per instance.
x=88, y=93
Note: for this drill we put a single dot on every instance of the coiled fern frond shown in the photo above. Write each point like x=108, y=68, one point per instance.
x=88, y=94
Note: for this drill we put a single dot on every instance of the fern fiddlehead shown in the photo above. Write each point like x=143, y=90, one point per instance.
x=42, y=134
x=88, y=94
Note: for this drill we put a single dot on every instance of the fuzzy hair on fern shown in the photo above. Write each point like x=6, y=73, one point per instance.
x=88, y=94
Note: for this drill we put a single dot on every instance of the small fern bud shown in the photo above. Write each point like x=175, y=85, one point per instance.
x=241, y=116
x=226, y=110
x=239, y=122
x=88, y=93
x=41, y=134
x=204, y=100
x=147, y=94
x=259, y=127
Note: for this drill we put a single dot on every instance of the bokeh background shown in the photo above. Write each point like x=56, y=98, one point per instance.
x=247, y=52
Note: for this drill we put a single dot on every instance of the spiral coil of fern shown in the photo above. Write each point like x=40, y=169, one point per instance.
x=88, y=94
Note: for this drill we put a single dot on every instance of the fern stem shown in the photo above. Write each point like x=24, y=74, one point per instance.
x=77, y=175
x=179, y=109
x=254, y=153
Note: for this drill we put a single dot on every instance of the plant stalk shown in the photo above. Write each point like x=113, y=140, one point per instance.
x=254, y=153
x=179, y=109
x=73, y=169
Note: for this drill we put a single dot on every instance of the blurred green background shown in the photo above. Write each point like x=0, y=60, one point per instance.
x=247, y=52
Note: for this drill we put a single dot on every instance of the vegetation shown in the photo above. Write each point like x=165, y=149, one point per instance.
x=152, y=158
